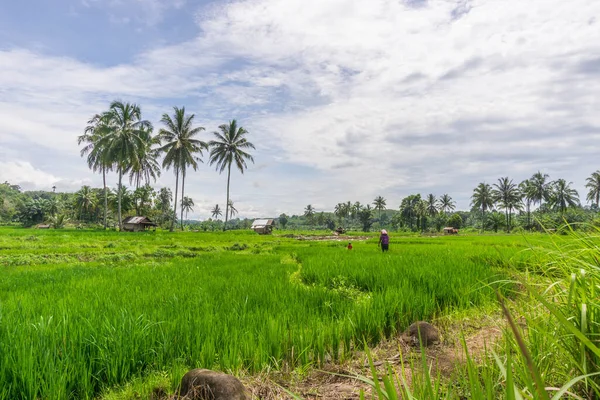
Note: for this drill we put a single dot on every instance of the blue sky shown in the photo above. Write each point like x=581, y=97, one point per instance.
x=344, y=99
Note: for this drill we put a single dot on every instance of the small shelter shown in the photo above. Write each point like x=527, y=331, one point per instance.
x=43, y=226
x=450, y=230
x=137, y=224
x=263, y=226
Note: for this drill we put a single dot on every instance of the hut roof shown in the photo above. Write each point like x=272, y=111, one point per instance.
x=259, y=223
x=139, y=221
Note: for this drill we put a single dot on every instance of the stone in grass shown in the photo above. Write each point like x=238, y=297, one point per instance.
x=429, y=334
x=204, y=384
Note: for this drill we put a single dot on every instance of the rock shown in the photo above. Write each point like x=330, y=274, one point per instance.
x=204, y=384
x=429, y=334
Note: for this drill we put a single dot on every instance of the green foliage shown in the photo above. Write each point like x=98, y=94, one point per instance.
x=455, y=221
x=84, y=311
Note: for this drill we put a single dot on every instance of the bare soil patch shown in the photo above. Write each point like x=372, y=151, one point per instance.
x=327, y=382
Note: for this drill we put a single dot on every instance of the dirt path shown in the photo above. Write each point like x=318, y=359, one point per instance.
x=327, y=384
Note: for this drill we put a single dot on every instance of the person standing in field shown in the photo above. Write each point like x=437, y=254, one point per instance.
x=384, y=241
x=349, y=246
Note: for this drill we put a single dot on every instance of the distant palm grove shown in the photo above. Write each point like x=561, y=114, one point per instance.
x=121, y=142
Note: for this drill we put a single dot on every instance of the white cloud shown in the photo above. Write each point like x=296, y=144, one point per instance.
x=366, y=98
x=30, y=178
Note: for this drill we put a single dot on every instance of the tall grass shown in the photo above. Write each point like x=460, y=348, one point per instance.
x=81, y=312
x=552, y=354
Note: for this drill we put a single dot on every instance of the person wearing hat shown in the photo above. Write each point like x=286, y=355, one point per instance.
x=384, y=240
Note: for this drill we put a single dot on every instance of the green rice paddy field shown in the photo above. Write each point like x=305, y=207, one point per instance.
x=85, y=311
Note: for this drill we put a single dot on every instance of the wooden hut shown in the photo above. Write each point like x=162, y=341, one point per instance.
x=450, y=230
x=263, y=226
x=137, y=224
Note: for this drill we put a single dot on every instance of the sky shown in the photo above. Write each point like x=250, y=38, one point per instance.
x=345, y=100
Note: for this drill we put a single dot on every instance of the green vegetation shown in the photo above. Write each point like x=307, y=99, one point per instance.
x=551, y=346
x=85, y=311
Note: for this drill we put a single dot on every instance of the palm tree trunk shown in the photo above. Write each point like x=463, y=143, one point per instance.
x=507, y=220
x=182, y=195
x=482, y=219
x=105, y=197
x=227, y=206
x=175, y=203
x=119, y=199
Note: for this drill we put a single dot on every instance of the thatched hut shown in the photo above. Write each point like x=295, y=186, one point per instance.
x=137, y=224
x=263, y=226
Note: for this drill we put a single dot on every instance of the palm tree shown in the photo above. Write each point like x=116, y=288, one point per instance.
x=352, y=210
x=539, y=188
x=365, y=217
x=593, y=184
x=563, y=196
x=496, y=221
x=446, y=203
x=146, y=167
x=432, y=208
x=54, y=205
x=126, y=137
x=97, y=157
x=232, y=210
x=85, y=199
x=379, y=204
x=482, y=198
x=528, y=192
x=228, y=149
x=408, y=208
x=309, y=212
x=421, y=213
x=508, y=196
x=339, y=211
x=181, y=149
x=216, y=212
x=142, y=198
x=187, y=205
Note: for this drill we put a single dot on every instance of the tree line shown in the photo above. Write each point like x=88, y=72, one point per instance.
x=493, y=207
x=119, y=140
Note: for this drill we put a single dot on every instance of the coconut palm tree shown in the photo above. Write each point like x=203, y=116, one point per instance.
x=408, y=208
x=352, y=210
x=187, y=205
x=379, y=204
x=421, y=213
x=146, y=167
x=446, y=203
x=216, y=212
x=229, y=148
x=85, y=200
x=181, y=149
x=539, y=188
x=97, y=157
x=528, y=192
x=593, y=184
x=432, y=205
x=126, y=137
x=365, y=216
x=309, y=212
x=507, y=195
x=232, y=210
x=483, y=199
x=339, y=211
x=142, y=199
x=563, y=196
